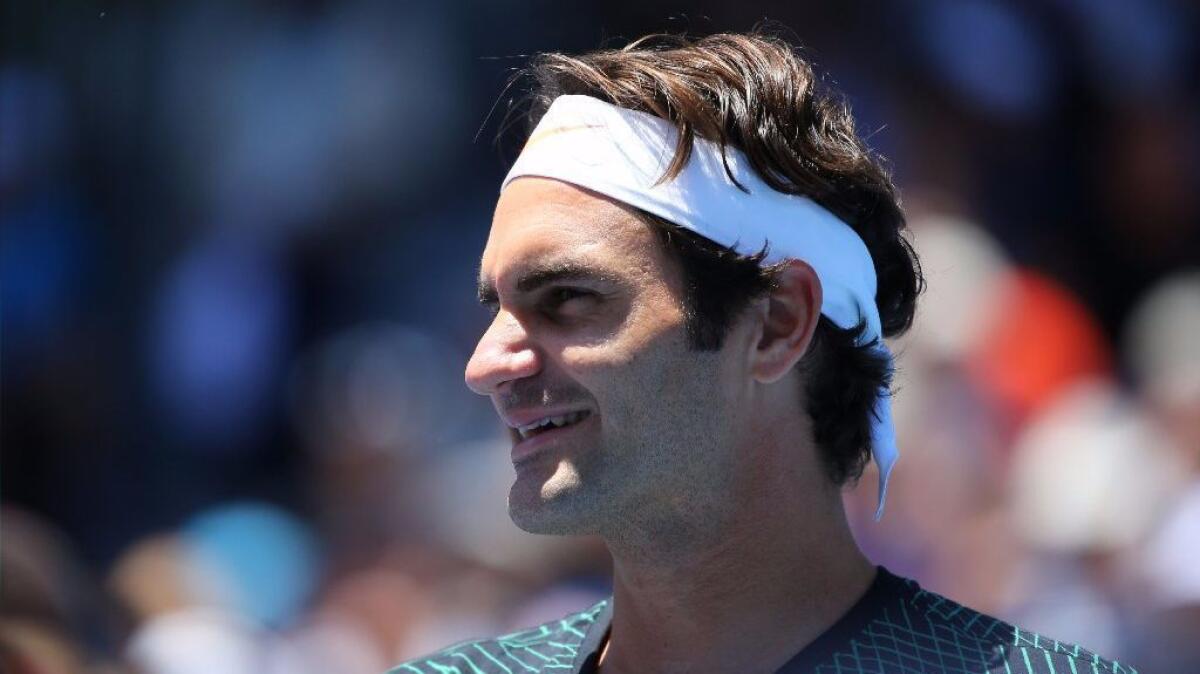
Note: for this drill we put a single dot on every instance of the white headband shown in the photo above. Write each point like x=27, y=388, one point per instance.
x=624, y=154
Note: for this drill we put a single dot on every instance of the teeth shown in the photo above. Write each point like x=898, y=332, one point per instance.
x=557, y=421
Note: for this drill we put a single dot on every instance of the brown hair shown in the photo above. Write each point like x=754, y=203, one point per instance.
x=753, y=92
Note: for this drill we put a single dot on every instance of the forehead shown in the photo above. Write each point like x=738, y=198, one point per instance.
x=540, y=221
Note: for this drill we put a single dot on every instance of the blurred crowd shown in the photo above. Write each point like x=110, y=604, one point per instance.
x=238, y=243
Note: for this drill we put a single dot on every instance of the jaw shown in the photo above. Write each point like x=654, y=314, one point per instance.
x=548, y=497
x=559, y=491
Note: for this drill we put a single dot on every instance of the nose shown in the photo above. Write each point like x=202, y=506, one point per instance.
x=504, y=353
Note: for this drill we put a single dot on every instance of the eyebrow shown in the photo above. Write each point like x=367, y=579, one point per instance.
x=541, y=275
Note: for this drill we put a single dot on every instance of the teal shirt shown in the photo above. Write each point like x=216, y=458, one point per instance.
x=895, y=628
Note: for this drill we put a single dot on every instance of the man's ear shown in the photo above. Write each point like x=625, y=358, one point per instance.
x=790, y=315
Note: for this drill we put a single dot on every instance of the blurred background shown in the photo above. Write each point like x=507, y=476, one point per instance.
x=237, y=254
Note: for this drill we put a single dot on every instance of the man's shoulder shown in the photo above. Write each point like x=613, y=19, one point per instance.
x=549, y=647
x=928, y=628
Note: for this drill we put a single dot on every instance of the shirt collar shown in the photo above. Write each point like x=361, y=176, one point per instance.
x=884, y=588
x=588, y=657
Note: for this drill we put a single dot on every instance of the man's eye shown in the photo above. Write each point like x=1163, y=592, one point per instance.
x=558, y=297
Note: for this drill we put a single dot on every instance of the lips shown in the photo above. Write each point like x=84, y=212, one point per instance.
x=532, y=437
x=551, y=422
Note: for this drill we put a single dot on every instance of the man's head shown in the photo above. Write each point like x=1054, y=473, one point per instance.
x=682, y=353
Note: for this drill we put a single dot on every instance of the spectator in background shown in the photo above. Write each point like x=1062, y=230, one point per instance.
x=53, y=617
x=1161, y=345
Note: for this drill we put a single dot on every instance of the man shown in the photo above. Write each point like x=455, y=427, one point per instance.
x=692, y=267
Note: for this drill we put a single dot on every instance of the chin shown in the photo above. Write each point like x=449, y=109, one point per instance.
x=551, y=504
x=549, y=521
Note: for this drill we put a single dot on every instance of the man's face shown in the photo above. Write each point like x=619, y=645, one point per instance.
x=589, y=334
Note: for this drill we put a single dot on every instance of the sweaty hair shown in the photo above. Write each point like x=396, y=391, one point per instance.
x=753, y=92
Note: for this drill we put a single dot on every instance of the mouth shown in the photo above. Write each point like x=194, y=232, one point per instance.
x=529, y=438
x=551, y=423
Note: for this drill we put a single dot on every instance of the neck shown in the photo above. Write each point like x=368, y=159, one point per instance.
x=746, y=595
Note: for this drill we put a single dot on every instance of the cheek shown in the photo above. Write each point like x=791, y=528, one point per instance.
x=653, y=324
x=645, y=366
x=663, y=389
